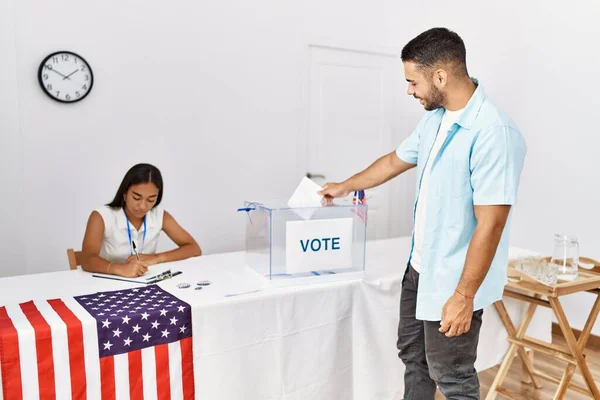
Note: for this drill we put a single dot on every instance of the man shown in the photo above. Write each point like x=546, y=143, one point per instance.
x=469, y=156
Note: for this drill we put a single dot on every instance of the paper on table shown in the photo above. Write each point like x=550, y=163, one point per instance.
x=306, y=195
x=153, y=272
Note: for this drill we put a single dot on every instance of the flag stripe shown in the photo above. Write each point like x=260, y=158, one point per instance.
x=136, y=386
x=10, y=365
x=149, y=370
x=43, y=346
x=27, y=352
x=187, y=370
x=76, y=350
x=107, y=373
x=163, y=378
x=175, y=370
x=121, y=376
x=1, y=390
x=60, y=349
x=90, y=348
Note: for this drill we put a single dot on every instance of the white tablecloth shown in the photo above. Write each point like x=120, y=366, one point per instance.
x=325, y=341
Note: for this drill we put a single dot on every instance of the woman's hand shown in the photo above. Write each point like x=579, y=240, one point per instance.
x=148, y=259
x=132, y=269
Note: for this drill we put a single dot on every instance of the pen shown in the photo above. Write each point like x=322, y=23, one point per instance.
x=135, y=250
x=165, y=275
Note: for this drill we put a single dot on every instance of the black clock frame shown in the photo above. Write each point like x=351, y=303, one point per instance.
x=41, y=70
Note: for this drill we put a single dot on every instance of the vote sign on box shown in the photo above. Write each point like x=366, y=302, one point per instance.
x=324, y=244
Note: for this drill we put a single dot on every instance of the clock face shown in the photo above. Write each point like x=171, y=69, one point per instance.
x=65, y=77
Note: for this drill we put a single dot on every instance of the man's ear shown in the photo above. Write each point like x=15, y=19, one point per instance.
x=440, y=78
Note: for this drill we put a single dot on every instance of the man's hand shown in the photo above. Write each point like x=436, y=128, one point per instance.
x=381, y=171
x=148, y=259
x=333, y=190
x=456, y=315
x=458, y=311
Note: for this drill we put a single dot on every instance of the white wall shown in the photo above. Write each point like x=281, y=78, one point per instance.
x=12, y=245
x=214, y=94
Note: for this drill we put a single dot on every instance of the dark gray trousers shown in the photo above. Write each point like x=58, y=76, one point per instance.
x=432, y=359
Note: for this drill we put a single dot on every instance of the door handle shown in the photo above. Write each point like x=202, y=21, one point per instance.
x=311, y=176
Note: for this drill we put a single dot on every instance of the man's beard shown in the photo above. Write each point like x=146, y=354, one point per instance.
x=435, y=99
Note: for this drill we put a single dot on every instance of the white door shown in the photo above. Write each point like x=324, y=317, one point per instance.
x=351, y=105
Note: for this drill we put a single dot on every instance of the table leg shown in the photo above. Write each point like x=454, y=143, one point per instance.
x=525, y=376
x=501, y=374
x=526, y=361
x=574, y=346
x=564, y=382
x=508, y=358
x=589, y=324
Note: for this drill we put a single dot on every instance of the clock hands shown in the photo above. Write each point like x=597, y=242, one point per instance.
x=67, y=77
x=64, y=77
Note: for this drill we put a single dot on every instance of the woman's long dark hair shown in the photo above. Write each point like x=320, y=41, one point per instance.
x=140, y=173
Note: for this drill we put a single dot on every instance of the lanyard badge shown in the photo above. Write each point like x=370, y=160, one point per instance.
x=129, y=234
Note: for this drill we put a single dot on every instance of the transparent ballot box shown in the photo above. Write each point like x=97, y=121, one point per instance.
x=297, y=245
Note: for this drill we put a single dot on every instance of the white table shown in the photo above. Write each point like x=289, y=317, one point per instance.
x=326, y=341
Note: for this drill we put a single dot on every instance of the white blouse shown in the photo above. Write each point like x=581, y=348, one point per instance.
x=116, y=246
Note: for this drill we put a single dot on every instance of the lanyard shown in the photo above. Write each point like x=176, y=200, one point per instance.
x=129, y=234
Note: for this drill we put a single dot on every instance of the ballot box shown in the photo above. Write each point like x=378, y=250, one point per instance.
x=297, y=245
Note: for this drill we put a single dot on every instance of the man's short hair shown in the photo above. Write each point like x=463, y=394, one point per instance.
x=437, y=47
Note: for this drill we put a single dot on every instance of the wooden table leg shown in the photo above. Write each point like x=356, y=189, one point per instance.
x=525, y=376
x=589, y=324
x=501, y=374
x=508, y=358
x=564, y=382
x=512, y=332
x=574, y=346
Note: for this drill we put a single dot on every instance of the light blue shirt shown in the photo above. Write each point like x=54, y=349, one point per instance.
x=479, y=163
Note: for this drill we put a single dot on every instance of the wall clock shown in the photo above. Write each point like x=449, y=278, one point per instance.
x=65, y=77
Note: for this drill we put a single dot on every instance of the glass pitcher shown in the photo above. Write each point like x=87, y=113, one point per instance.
x=565, y=257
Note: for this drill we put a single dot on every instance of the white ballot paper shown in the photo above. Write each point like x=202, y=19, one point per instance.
x=306, y=195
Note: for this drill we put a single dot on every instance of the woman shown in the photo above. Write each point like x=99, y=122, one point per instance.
x=130, y=226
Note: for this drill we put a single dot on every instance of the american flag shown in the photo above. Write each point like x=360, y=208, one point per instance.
x=359, y=199
x=127, y=344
